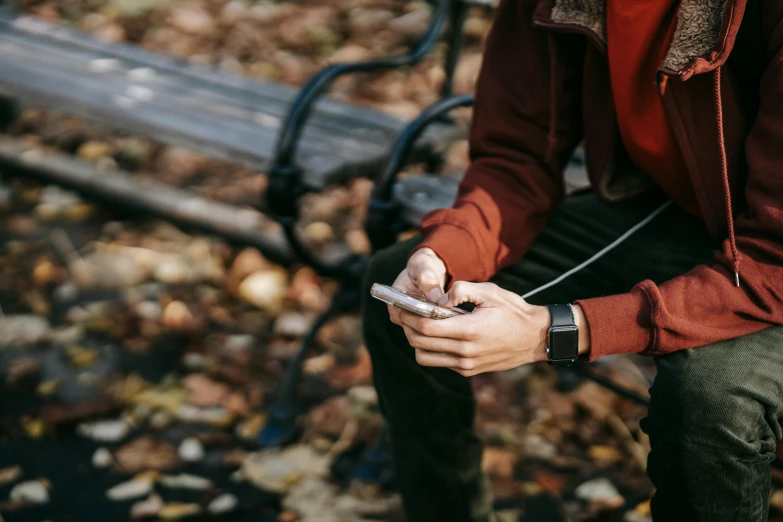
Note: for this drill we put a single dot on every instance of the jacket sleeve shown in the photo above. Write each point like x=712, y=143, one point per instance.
x=515, y=176
x=703, y=306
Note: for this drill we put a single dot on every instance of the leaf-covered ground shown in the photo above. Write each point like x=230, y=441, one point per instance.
x=137, y=360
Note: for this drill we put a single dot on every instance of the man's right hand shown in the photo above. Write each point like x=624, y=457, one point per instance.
x=424, y=274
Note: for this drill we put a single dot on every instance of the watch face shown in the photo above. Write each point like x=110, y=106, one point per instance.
x=563, y=342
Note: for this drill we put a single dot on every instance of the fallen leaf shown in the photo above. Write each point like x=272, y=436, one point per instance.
x=201, y=391
x=499, y=462
x=266, y=289
x=176, y=510
x=145, y=453
x=35, y=491
x=10, y=474
x=600, y=492
x=278, y=470
x=48, y=388
x=605, y=455
x=18, y=330
x=148, y=508
x=22, y=368
x=34, y=427
x=191, y=450
x=138, y=486
x=81, y=357
x=102, y=458
x=185, y=481
x=112, y=430
x=222, y=504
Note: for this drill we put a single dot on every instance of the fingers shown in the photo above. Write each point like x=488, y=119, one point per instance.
x=394, y=314
x=428, y=273
x=436, y=359
x=451, y=347
x=464, y=292
x=461, y=328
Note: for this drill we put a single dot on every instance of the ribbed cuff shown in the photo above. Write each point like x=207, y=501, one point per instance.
x=618, y=323
x=458, y=249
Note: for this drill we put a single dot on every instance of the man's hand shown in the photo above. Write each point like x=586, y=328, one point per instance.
x=501, y=333
x=424, y=274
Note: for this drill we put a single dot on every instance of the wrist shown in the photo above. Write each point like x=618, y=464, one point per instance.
x=539, y=316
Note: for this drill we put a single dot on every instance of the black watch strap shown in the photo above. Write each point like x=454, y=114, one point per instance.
x=562, y=315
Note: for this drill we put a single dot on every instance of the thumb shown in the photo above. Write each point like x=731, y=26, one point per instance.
x=430, y=284
x=463, y=292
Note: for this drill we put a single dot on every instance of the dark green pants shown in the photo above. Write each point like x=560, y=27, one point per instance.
x=715, y=413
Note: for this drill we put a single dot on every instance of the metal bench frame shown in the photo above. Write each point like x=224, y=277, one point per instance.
x=285, y=190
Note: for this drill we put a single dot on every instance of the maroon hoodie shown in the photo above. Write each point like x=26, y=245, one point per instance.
x=545, y=86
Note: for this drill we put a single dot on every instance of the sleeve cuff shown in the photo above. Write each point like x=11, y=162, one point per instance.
x=618, y=323
x=457, y=248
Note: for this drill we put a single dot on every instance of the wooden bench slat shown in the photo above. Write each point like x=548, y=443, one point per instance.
x=264, y=95
x=229, y=117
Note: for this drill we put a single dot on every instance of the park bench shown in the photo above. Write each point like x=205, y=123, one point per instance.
x=229, y=117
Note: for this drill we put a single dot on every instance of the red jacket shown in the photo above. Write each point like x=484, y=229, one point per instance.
x=544, y=87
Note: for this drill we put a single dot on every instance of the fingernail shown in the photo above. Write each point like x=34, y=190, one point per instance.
x=443, y=299
x=435, y=295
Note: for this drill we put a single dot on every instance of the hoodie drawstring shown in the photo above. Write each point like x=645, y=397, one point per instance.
x=553, y=84
x=735, y=259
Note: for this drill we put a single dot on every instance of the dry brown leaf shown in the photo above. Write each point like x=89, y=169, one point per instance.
x=146, y=453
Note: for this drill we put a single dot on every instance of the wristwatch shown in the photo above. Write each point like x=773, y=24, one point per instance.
x=562, y=347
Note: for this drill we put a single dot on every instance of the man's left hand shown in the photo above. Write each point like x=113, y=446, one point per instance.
x=502, y=332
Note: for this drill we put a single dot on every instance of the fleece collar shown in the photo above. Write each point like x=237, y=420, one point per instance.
x=697, y=34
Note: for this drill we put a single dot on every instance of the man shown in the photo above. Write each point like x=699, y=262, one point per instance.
x=675, y=101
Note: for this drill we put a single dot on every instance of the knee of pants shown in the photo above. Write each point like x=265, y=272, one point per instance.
x=704, y=397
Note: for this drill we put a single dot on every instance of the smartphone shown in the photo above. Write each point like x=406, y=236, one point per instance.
x=413, y=303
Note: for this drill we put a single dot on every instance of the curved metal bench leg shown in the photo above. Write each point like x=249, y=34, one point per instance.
x=282, y=426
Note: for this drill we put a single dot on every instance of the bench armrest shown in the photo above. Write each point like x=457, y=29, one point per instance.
x=284, y=187
x=383, y=221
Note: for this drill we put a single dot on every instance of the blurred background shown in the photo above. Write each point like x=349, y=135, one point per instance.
x=140, y=359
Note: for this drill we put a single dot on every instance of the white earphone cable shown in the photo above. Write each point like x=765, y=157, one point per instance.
x=603, y=251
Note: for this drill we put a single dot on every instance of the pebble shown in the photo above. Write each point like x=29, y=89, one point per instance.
x=222, y=504
x=191, y=450
x=34, y=491
x=102, y=458
x=105, y=430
